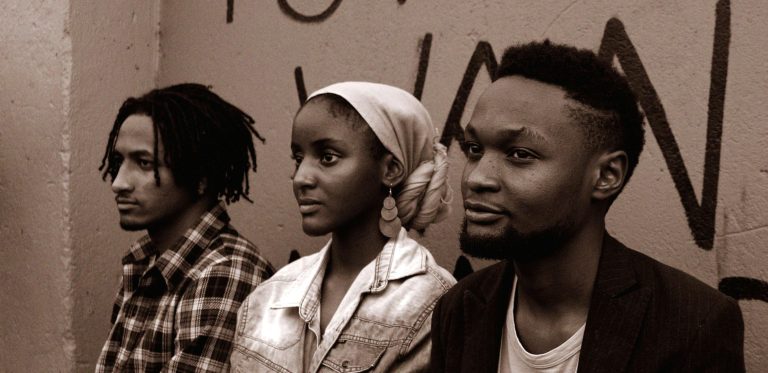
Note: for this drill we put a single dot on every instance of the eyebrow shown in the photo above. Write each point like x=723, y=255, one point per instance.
x=135, y=153
x=512, y=134
x=319, y=143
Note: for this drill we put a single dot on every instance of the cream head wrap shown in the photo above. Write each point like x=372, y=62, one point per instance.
x=404, y=127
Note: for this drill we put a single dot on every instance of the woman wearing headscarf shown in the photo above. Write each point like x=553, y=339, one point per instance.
x=368, y=169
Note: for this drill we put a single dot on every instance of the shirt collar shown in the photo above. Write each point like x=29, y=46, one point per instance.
x=401, y=257
x=175, y=263
x=140, y=251
x=304, y=291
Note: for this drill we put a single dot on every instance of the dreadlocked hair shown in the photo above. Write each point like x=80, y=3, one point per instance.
x=204, y=137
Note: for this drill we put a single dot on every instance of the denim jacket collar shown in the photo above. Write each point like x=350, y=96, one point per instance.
x=400, y=258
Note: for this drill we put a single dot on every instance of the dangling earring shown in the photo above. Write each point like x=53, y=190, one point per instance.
x=389, y=224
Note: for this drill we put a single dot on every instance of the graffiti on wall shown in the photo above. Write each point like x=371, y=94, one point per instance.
x=293, y=13
x=617, y=44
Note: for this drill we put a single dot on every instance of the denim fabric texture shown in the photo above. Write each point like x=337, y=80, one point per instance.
x=383, y=324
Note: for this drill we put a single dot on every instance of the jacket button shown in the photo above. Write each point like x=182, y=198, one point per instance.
x=345, y=364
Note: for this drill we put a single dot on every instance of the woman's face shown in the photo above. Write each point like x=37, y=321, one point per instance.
x=337, y=182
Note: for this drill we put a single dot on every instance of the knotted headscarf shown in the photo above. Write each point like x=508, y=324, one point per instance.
x=404, y=127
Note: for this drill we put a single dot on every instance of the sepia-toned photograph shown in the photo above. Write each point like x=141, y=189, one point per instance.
x=556, y=186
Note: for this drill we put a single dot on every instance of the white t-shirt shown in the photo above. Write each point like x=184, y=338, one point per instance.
x=515, y=359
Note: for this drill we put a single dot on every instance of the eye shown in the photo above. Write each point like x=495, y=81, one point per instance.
x=472, y=149
x=521, y=154
x=146, y=164
x=328, y=158
x=297, y=158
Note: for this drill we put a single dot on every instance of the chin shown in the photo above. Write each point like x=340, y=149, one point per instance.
x=482, y=231
x=132, y=226
x=314, y=230
x=511, y=244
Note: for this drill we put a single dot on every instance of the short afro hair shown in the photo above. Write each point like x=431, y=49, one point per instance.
x=614, y=123
x=204, y=137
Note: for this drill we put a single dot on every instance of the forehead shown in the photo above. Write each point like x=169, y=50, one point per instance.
x=136, y=134
x=514, y=103
x=316, y=120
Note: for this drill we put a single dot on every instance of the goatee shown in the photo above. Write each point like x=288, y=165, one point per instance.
x=511, y=244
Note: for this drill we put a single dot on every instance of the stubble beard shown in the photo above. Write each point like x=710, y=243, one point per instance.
x=131, y=226
x=133, y=223
x=511, y=244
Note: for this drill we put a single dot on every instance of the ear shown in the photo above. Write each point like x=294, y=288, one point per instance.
x=610, y=174
x=393, y=172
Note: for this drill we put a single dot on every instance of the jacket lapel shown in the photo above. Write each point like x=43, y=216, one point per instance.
x=616, y=312
x=485, y=311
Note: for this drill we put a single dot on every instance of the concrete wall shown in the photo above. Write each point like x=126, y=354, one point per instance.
x=697, y=201
x=66, y=67
x=114, y=55
x=36, y=286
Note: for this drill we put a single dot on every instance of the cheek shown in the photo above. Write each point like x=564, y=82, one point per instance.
x=357, y=186
x=468, y=167
x=534, y=190
x=168, y=193
x=560, y=191
x=145, y=184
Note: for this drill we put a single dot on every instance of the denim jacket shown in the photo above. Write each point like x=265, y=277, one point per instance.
x=383, y=323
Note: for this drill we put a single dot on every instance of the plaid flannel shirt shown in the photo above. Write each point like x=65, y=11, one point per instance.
x=178, y=312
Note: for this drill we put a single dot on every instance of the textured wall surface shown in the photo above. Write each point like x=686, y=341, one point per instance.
x=66, y=67
x=114, y=55
x=36, y=287
x=698, y=199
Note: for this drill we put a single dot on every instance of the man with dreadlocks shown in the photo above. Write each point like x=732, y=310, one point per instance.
x=175, y=157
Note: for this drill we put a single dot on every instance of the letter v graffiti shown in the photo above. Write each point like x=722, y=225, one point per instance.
x=701, y=216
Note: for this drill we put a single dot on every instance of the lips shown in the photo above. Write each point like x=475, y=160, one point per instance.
x=124, y=203
x=308, y=205
x=483, y=213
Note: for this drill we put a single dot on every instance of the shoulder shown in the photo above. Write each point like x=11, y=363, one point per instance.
x=292, y=270
x=434, y=271
x=477, y=282
x=428, y=285
x=693, y=301
x=688, y=315
x=449, y=316
x=673, y=283
x=230, y=244
x=229, y=254
x=284, y=279
x=416, y=281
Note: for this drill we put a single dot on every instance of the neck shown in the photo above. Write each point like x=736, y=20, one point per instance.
x=564, y=280
x=164, y=235
x=352, y=248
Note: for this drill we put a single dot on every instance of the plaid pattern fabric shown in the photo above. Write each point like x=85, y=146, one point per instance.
x=178, y=311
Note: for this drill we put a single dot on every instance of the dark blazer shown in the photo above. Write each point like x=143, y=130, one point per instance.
x=644, y=316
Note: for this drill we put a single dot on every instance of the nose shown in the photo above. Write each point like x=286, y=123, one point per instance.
x=303, y=177
x=120, y=183
x=480, y=176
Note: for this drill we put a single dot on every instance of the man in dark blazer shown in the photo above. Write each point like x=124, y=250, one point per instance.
x=550, y=145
